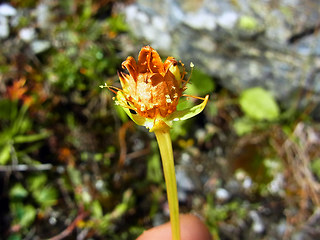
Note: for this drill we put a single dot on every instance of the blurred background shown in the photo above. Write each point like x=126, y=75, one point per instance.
x=73, y=166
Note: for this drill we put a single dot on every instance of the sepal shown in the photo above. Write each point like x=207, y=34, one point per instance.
x=188, y=112
x=122, y=102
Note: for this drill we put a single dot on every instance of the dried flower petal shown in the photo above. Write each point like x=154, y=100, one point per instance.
x=150, y=86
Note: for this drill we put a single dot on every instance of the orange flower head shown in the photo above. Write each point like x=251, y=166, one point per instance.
x=151, y=86
x=152, y=89
x=18, y=91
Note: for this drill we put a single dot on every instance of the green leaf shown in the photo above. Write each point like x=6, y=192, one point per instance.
x=28, y=216
x=259, y=104
x=248, y=23
x=117, y=23
x=74, y=175
x=6, y=136
x=86, y=197
x=8, y=109
x=200, y=84
x=315, y=166
x=243, y=126
x=24, y=215
x=180, y=129
x=189, y=112
x=14, y=236
x=46, y=197
x=18, y=191
x=96, y=209
x=123, y=207
x=184, y=103
x=30, y=138
x=36, y=182
x=5, y=154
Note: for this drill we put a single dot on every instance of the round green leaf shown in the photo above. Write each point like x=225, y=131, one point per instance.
x=18, y=191
x=259, y=104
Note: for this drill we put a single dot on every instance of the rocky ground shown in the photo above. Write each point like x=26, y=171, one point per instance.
x=73, y=166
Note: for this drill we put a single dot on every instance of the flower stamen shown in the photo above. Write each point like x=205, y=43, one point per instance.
x=111, y=88
x=168, y=99
x=187, y=95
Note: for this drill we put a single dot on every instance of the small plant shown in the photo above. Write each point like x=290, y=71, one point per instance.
x=150, y=94
x=16, y=126
x=260, y=110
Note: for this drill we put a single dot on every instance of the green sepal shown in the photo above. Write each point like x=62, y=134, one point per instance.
x=189, y=112
x=122, y=102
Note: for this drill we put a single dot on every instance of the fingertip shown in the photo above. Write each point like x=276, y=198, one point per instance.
x=191, y=228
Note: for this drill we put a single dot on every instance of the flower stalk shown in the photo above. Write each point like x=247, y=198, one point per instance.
x=165, y=146
x=150, y=93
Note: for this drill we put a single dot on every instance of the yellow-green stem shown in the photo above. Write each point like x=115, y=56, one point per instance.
x=165, y=146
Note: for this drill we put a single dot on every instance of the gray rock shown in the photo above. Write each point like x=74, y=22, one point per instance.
x=4, y=27
x=257, y=224
x=184, y=182
x=7, y=10
x=27, y=34
x=39, y=46
x=222, y=194
x=43, y=15
x=242, y=44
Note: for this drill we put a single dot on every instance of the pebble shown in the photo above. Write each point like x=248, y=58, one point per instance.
x=39, y=46
x=257, y=225
x=184, y=184
x=201, y=20
x=4, y=28
x=277, y=184
x=228, y=20
x=247, y=183
x=43, y=14
x=184, y=181
x=222, y=194
x=185, y=158
x=7, y=10
x=27, y=34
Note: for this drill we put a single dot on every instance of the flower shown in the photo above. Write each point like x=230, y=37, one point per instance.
x=152, y=89
x=18, y=91
x=150, y=86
